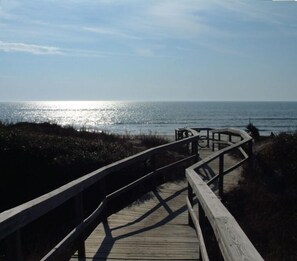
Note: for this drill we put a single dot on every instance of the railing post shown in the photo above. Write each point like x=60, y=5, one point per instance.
x=202, y=223
x=103, y=192
x=79, y=215
x=190, y=196
x=221, y=175
x=176, y=134
x=205, y=229
x=201, y=217
x=230, y=137
x=207, y=134
x=251, y=155
x=14, y=247
x=195, y=149
x=219, y=138
x=213, y=138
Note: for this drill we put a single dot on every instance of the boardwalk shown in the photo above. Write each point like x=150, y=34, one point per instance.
x=156, y=229
x=230, y=181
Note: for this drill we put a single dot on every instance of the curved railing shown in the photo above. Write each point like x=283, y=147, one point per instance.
x=232, y=243
x=13, y=220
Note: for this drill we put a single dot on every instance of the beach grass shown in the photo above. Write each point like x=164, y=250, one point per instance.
x=265, y=202
x=37, y=158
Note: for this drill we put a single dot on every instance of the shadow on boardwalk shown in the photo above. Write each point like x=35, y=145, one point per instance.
x=156, y=229
x=147, y=231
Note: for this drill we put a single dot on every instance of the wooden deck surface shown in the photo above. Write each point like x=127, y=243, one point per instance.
x=230, y=180
x=156, y=229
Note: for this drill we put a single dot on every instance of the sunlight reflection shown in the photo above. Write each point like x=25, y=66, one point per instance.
x=88, y=114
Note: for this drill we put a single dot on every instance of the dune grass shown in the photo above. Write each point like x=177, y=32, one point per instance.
x=37, y=158
x=265, y=203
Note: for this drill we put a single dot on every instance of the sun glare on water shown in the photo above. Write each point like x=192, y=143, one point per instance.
x=89, y=114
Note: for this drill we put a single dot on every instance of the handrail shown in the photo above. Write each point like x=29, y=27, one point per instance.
x=12, y=220
x=53, y=254
x=232, y=241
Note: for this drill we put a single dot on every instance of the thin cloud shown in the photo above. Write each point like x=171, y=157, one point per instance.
x=30, y=48
x=49, y=50
x=146, y=52
x=178, y=19
x=107, y=31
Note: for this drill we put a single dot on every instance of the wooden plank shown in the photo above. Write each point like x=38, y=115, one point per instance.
x=148, y=176
x=233, y=242
x=154, y=230
x=195, y=221
x=16, y=218
x=234, y=131
x=218, y=153
x=74, y=234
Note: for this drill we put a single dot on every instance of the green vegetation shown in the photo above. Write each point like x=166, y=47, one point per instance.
x=265, y=203
x=37, y=158
x=253, y=131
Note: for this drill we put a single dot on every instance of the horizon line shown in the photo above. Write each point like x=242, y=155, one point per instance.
x=131, y=101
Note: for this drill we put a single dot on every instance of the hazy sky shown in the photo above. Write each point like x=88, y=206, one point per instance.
x=148, y=50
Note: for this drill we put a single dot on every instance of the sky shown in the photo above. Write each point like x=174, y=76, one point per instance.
x=148, y=50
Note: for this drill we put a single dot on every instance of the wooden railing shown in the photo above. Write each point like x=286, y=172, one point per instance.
x=13, y=220
x=232, y=243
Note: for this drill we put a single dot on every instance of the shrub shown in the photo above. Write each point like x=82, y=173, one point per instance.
x=254, y=131
x=36, y=158
x=152, y=140
x=265, y=203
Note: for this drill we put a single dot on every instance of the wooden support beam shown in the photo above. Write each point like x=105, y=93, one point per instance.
x=234, y=244
x=191, y=201
x=79, y=216
x=221, y=175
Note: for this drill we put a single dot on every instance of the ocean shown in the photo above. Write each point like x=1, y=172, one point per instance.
x=154, y=117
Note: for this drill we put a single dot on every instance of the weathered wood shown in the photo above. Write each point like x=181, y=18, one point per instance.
x=233, y=242
x=79, y=216
x=74, y=234
x=219, y=137
x=155, y=229
x=238, y=164
x=227, y=171
x=16, y=218
x=191, y=201
x=202, y=247
x=12, y=220
x=216, y=154
x=78, y=231
x=221, y=175
x=244, y=154
x=233, y=131
x=250, y=153
x=148, y=176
